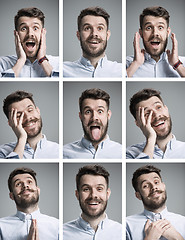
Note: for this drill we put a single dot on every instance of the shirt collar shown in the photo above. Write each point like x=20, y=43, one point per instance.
x=151, y=215
x=84, y=61
x=149, y=58
x=23, y=216
x=88, y=144
x=86, y=226
x=40, y=144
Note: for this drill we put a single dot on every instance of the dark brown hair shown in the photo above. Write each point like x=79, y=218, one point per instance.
x=96, y=170
x=94, y=93
x=143, y=170
x=140, y=96
x=17, y=171
x=29, y=12
x=94, y=11
x=15, y=97
x=155, y=11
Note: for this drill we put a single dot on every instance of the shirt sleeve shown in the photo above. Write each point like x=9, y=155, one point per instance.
x=12, y=155
x=131, y=154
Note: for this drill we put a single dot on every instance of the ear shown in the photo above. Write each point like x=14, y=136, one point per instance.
x=11, y=195
x=138, y=195
x=108, y=193
x=80, y=116
x=77, y=194
x=38, y=190
x=137, y=123
x=38, y=110
x=109, y=114
x=108, y=34
x=78, y=35
x=168, y=31
x=141, y=32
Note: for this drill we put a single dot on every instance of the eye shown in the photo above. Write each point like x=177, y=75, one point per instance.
x=161, y=27
x=99, y=189
x=36, y=28
x=87, y=28
x=148, y=28
x=100, y=28
x=100, y=111
x=23, y=29
x=30, y=109
x=87, y=111
x=85, y=189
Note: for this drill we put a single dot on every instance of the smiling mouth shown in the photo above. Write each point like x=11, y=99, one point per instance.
x=159, y=123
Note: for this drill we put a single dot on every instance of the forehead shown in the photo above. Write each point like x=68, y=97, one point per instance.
x=22, y=177
x=28, y=21
x=92, y=180
x=154, y=20
x=148, y=177
x=149, y=102
x=93, y=20
x=89, y=102
x=21, y=105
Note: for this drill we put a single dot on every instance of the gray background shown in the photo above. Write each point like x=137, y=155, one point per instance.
x=9, y=9
x=72, y=129
x=45, y=95
x=47, y=179
x=114, y=207
x=177, y=17
x=173, y=97
x=173, y=175
x=71, y=9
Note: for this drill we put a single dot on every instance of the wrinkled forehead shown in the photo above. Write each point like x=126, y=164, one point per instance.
x=24, y=20
x=149, y=102
x=90, y=102
x=93, y=20
x=92, y=180
x=153, y=20
x=21, y=105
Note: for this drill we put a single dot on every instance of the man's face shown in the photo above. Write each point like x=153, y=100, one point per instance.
x=93, y=195
x=155, y=34
x=25, y=192
x=29, y=30
x=94, y=118
x=32, y=122
x=161, y=120
x=152, y=191
x=93, y=36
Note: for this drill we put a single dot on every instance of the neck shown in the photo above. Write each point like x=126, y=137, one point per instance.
x=28, y=210
x=158, y=210
x=34, y=140
x=163, y=142
x=93, y=221
x=94, y=60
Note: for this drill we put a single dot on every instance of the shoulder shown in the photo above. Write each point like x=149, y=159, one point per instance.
x=135, y=149
x=7, y=148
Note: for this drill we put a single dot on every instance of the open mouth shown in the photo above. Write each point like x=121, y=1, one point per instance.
x=29, y=124
x=159, y=123
x=30, y=45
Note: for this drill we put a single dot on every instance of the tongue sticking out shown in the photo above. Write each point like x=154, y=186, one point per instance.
x=95, y=133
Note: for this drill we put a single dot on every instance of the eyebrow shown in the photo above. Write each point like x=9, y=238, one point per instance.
x=90, y=107
x=31, y=105
x=99, y=24
x=34, y=23
x=87, y=185
x=152, y=24
x=18, y=179
x=145, y=180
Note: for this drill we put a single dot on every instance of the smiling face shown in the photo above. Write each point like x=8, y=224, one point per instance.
x=93, y=195
x=94, y=118
x=93, y=36
x=29, y=30
x=25, y=193
x=32, y=122
x=155, y=34
x=161, y=121
x=152, y=191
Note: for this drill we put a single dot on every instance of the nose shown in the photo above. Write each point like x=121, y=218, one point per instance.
x=27, y=116
x=155, y=31
x=95, y=116
x=93, y=193
x=94, y=32
x=30, y=32
x=156, y=114
x=24, y=185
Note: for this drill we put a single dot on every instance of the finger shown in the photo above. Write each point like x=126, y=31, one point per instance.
x=138, y=115
x=143, y=116
x=149, y=120
x=174, y=42
x=147, y=224
x=21, y=119
x=15, y=117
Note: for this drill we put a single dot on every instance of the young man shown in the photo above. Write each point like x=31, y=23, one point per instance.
x=153, y=118
x=94, y=115
x=28, y=223
x=93, y=34
x=155, y=222
x=153, y=61
x=30, y=43
x=92, y=192
x=25, y=120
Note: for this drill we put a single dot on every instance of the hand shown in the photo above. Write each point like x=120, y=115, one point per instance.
x=145, y=124
x=154, y=230
x=172, y=234
x=173, y=57
x=139, y=56
x=16, y=124
x=19, y=49
x=42, y=50
x=33, y=233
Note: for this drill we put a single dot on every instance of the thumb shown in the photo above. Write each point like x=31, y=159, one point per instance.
x=147, y=224
x=168, y=52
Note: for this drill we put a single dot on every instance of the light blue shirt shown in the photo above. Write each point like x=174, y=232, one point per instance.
x=84, y=149
x=153, y=69
x=17, y=227
x=45, y=149
x=29, y=69
x=83, y=68
x=81, y=230
x=174, y=149
x=135, y=223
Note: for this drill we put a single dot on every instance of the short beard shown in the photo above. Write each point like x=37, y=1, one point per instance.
x=88, y=137
x=24, y=204
x=90, y=53
x=152, y=206
x=161, y=136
